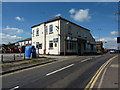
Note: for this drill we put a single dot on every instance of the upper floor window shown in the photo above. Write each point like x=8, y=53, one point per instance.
x=37, y=32
x=51, y=29
x=78, y=33
x=33, y=33
x=46, y=29
x=69, y=30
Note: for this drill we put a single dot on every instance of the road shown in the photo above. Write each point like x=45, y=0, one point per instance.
x=69, y=73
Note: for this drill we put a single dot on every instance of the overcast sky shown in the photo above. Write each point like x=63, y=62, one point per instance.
x=99, y=17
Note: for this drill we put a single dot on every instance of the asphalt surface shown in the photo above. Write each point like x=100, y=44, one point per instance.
x=109, y=76
x=70, y=73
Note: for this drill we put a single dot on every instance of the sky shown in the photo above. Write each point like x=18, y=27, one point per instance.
x=99, y=17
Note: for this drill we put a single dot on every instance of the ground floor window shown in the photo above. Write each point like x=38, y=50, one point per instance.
x=71, y=45
x=55, y=44
x=38, y=45
x=84, y=46
x=50, y=44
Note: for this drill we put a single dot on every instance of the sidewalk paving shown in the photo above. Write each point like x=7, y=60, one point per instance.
x=109, y=77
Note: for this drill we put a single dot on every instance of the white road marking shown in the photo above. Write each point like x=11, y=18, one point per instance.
x=86, y=59
x=14, y=88
x=101, y=80
x=98, y=56
x=59, y=69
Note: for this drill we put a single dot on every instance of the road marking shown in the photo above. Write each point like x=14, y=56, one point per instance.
x=101, y=80
x=32, y=68
x=98, y=56
x=92, y=82
x=86, y=59
x=14, y=88
x=59, y=69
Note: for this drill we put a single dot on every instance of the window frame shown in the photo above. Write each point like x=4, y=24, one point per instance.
x=37, y=32
x=51, y=29
x=33, y=33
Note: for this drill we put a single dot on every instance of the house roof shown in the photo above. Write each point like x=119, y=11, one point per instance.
x=25, y=40
x=59, y=18
x=99, y=42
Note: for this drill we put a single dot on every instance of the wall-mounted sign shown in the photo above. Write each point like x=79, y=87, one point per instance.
x=118, y=39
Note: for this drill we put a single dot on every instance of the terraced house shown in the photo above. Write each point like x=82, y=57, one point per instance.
x=60, y=36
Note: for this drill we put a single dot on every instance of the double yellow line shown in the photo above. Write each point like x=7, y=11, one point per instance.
x=92, y=82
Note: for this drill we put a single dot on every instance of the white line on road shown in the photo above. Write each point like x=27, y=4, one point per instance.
x=14, y=88
x=86, y=59
x=59, y=69
x=101, y=80
x=98, y=56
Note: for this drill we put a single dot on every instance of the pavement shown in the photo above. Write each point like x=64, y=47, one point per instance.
x=10, y=56
x=109, y=77
x=69, y=73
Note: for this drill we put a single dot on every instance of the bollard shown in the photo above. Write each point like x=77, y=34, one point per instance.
x=14, y=56
x=24, y=56
x=1, y=58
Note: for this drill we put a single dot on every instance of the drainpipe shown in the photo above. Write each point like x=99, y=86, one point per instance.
x=44, y=38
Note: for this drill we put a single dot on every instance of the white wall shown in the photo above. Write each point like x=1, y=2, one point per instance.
x=41, y=38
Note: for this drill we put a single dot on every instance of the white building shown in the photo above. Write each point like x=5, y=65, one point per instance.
x=24, y=42
x=60, y=36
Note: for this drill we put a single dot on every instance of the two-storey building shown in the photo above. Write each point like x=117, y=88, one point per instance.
x=60, y=36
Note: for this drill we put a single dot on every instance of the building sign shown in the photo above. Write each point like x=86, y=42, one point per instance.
x=118, y=39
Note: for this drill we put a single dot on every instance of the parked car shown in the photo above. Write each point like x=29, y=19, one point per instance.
x=112, y=51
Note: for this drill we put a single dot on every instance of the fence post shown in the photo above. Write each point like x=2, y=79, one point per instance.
x=1, y=58
x=14, y=56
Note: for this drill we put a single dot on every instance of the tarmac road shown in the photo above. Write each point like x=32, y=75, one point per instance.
x=69, y=73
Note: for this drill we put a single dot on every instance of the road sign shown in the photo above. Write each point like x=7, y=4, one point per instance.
x=118, y=39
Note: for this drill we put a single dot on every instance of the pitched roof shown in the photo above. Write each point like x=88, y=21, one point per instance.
x=59, y=18
x=25, y=40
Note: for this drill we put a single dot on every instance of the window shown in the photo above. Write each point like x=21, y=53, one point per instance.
x=84, y=46
x=69, y=30
x=37, y=32
x=46, y=29
x=38, y=45
x=78, y=33
x=50, y=44
x=33, y=33
x=51, y=29
x=92, y=46
x=55, y=39
x=55, y=44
